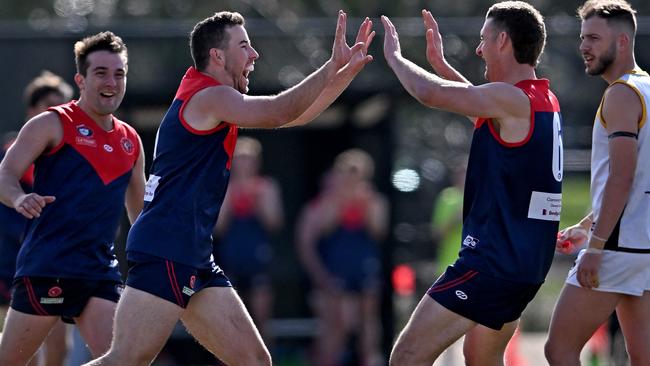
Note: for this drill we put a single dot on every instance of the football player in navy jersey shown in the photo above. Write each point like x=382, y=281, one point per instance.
x=512, y=198
x=88, y=165
x=172, y=275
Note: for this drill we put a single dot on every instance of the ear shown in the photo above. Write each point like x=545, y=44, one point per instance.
x=218, y=56
x=502, y=39
x=623, y=41
x=80, y=80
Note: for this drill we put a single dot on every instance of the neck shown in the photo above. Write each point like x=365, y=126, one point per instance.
x=104, y=121
x=514, y=73
x=620, y=67
x=219, y=74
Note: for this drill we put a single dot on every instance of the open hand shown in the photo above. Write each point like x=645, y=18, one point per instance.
x=392, y=48
x=354, y=57
x=435, y=53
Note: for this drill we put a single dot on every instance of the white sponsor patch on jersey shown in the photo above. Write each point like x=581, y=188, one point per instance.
x=150, y=188
x=545, y=206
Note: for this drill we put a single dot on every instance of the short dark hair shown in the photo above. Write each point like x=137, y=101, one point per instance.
x=211, y=33
x=104, y=41
x=45, y=84
x=619, y=11
x=524, y=25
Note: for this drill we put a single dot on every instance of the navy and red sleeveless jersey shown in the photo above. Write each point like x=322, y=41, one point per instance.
x=187, y=183
x=12, y=227
x=88, y=173
x=512, y=201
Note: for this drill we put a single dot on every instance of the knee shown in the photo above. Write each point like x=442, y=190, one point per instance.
x=114, y=357
x=473, y=358
x=557, y=355
x=263, y=358
x=402, y=355
x=260, y=357
x=17, y=358
x=638, y=355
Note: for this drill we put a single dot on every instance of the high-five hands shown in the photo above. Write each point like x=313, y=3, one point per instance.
x=392, y=49
x=353, y=58
x=435, y=53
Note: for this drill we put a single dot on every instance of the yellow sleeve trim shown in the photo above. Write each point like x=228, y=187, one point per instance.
x=638, y=93
x=599, y=113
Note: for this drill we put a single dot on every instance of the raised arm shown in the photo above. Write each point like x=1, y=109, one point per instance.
x=344, y=76
x=493, y=100
x=223, y=103
x=134, y=199
x=39, y=134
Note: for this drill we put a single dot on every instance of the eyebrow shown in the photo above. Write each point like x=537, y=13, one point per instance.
x=104, y=68
x=243, y=42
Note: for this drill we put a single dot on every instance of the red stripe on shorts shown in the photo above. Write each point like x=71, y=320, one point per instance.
x=32, y=298
x=172, y=279
x=464, y=278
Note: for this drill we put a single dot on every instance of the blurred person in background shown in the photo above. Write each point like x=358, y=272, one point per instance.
x=613, y=272
x=88, y=166
x=172, y=275
x=42, y=92
x=338, y=244
x=250, y=214
x=512, y=200
x=447, y=217
x=446, y=230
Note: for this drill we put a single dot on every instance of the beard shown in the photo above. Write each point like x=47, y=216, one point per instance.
x=604, y=61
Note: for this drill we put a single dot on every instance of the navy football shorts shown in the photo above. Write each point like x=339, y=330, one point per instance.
x=64, y=297
x=5, y=290
x=487, y=300
x=169, y=280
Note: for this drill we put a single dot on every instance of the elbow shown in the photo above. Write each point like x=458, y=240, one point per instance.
x=426, y=95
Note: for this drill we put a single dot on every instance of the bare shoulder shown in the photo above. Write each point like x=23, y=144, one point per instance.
x=621, y=95
x=622, y=107
x=45, y=125
x=510, y=100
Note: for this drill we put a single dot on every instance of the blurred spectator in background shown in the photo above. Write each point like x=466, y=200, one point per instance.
x=338, y=237
x=42, y=92
x=446, y=230
x=447, y=218
x=251, y=212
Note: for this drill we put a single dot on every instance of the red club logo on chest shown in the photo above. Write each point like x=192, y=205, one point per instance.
x=127, y=145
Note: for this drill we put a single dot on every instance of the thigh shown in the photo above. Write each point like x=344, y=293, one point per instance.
x=143, y=323
x=486, y=346
x=55, y=346
x=430, y=330
x=22, y=335
x=96, y=324
x=634, y=317
x=577, y=315
x=217, y=318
